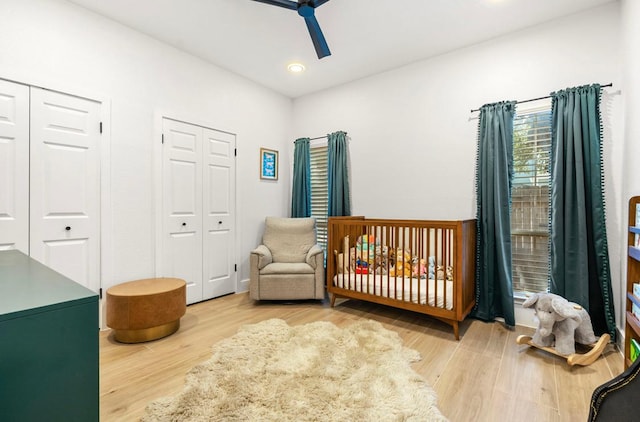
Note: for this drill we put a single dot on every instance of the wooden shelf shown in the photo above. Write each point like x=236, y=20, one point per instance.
x=632, y=329
x=633, y=298
x=633, y=323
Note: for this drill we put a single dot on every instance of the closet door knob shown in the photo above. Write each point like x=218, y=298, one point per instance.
x=184, y=224
x=220, y=222
x=67, y=228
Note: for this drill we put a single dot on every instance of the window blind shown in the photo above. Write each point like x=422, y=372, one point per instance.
x=530, y=200
x=319, y=190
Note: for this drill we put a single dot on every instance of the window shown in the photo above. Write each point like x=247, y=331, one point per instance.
x=319, y=189
x=530, y=200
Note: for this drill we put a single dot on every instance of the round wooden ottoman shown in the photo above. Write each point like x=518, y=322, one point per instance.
x=145, y=310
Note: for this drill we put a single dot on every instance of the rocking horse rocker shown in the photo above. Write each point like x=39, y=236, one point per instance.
x=561, y=324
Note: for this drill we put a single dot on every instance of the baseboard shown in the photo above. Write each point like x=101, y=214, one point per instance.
x=242, y=286
x=620, y=340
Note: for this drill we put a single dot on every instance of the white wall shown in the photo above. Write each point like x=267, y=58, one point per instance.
x=414, y=139
x=631, y=47
x=57, y=45
x=630, y=12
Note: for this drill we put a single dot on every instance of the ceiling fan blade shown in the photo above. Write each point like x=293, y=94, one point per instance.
x=320, y=44
x=287, y=4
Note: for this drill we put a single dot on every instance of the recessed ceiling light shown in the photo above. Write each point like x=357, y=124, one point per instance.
x=296, y=67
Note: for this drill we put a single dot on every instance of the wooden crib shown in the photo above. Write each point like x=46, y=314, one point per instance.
x=423, y=266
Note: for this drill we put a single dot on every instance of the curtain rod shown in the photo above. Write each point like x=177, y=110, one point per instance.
x=317, y=137
x=542, y=98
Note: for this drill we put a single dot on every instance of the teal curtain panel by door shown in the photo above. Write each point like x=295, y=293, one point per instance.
x=301, y=192
x=339, y=195
x=578, y=243
x=494, y=289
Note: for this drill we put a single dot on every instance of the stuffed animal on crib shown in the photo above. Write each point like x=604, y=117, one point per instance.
x=402, y=264
x=365, y=248
x=352, y=258
x=560, y=321
x=362, y=267
x=418, y=267
x=382, y=259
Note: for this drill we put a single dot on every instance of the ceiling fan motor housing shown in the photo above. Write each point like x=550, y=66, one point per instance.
x=305, y=10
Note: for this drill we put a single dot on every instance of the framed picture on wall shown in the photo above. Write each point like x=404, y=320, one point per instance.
x=268, y=164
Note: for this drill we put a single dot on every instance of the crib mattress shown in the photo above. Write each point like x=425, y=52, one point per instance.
x=423, y=291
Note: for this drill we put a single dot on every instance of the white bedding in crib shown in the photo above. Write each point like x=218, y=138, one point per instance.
x=407, y=289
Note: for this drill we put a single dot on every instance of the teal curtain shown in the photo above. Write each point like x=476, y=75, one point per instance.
x=338, y=175
x=494, y=172
x=301, y=192
x=578, y=244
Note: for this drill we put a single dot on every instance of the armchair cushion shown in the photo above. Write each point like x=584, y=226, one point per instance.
x=289, y=239
x=287, y=268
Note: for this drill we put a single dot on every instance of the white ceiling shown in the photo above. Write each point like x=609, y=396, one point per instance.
x=366, y=37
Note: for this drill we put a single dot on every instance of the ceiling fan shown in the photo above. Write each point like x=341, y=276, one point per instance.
x=306, y=9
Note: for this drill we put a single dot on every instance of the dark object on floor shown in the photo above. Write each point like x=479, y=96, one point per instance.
x=616, y=400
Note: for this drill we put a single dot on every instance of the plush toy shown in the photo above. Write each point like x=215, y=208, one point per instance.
x=362, y=267
x=402, y=264
x=340, y=264
x=432, y=267
x=365, y=248
x=382, y=259
x=352, y=258
x=561, y=321
x=418, y=267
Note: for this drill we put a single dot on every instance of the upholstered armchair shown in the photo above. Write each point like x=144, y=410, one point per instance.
x=288, y=264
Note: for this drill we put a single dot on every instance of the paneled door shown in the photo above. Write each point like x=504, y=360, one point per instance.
x=218, y=215
x=14, y=166
x=198, y=200
x=182, y=205
x=65, y=185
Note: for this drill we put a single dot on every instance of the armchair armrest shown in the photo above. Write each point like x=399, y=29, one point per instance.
x=312, y=255
x=264, y=256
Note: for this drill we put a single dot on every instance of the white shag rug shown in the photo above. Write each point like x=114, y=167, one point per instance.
x=270, y=371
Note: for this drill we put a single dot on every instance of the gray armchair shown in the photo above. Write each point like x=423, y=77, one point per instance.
x=289, y=264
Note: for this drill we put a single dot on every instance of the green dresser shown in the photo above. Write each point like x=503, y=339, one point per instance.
x=48, y=344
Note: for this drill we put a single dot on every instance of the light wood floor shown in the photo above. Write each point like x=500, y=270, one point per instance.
x=485, y=376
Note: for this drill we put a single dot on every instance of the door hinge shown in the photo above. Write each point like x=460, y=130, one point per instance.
x=100, y=127
x=235, y=152
x=163, y=138
x=100, y=292
x=235, y=267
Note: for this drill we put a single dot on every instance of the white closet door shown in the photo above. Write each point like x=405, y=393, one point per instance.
x=182, y=205
x=14, y=166
x=65, y=185
x=219, y=213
